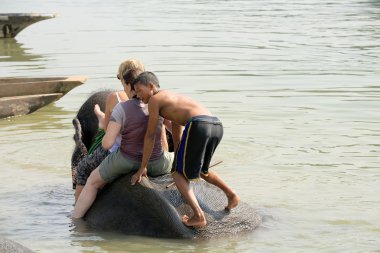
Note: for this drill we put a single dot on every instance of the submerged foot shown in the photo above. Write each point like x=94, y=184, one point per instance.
x=100, y=115
x=233, y=201
x=194, y=221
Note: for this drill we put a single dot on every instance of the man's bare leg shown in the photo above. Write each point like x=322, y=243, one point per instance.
x=183, y=185
x=232, y=197
x=88, y=194
x=100, y=115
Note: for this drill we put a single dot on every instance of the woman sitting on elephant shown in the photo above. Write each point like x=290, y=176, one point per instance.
x=130, y=118
x=96, y=153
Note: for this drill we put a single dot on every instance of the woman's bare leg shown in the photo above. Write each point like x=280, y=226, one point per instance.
x=88, y=194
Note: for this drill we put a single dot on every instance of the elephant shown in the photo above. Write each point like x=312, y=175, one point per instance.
x=154, y=206
x=86, y=127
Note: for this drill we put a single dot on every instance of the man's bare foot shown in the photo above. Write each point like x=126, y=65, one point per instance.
x=100, y=115
x=233, y=201
x=194, y=221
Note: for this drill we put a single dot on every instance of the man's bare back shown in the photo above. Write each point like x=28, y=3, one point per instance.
x=176, y=107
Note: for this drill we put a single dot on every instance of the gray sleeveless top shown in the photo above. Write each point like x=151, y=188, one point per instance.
x=133, y=117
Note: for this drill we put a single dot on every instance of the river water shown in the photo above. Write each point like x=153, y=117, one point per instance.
x=296, y=84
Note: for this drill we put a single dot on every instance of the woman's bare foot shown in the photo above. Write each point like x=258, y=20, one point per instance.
x=194, y=221
x=100, y=116
x=233, y=201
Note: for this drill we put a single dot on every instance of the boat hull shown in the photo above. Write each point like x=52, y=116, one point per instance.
x=13, y=23
x=21, y=105
x=22, y=95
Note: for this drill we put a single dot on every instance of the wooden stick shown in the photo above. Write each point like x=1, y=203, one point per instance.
x=212, y=165
x=217, y=163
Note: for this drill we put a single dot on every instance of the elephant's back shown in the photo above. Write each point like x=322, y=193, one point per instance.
x=153, y=209
x=212, y=200
x=135, y=210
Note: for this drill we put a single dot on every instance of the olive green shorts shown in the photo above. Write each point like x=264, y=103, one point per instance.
x=116, y=165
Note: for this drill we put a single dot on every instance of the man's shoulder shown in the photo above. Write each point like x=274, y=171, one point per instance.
x=164, y=95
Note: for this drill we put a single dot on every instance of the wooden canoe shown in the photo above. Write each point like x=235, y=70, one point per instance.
x=13, y=23
x=22, y=95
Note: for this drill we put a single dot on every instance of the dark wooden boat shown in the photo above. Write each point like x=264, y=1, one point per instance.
x=23, y=95
x=13, y=23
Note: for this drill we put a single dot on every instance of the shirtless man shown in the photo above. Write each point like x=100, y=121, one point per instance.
x=196, y=134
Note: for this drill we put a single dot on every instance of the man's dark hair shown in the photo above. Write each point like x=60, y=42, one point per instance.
x=145, y=78
x=130, y=76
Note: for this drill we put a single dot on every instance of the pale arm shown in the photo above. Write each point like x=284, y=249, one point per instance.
x=112, y=131
x=111, y=102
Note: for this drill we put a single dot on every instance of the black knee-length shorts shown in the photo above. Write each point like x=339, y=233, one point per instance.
x=200, y=138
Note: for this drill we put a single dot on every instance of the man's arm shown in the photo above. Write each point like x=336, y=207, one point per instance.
x=109, y=138
x=177, y=134
x=168, y=125
x=153, y=108
x=164, y=139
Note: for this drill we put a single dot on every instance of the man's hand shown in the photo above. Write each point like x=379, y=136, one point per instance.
x=137, y=176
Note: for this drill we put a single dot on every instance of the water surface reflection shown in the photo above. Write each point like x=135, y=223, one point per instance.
x=13, y=51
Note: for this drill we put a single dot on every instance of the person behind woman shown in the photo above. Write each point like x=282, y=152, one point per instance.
x=130, y=118
x=97, y=153
x=116, y=97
